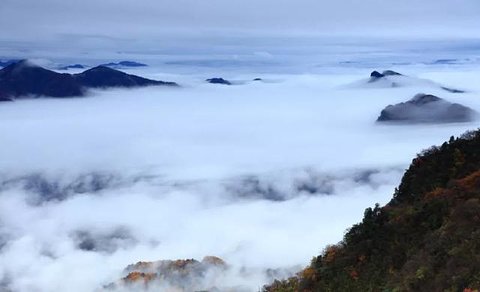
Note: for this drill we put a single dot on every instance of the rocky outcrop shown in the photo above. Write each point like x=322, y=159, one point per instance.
x=426, y=108
x=26, y=79
x=218, y=81
x=178, y=275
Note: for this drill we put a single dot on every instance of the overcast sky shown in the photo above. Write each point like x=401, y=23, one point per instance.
x=113, y=23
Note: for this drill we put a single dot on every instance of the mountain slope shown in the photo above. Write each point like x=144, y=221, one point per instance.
x=427, y=108
x=426, y=239
x=102, y=76
x=23, y=78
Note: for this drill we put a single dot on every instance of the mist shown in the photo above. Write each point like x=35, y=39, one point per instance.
x=261, y=174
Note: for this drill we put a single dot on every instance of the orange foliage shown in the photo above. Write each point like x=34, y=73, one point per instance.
x=435, y=193
x=308, y=273
x=137, y=276
x=181, y=264
x=471, y=182
x=354, y=274
x=330, y=253
x=399, y=219
x=213, y=261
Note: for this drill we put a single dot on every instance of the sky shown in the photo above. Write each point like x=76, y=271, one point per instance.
x=121, y=18
x=186, y=25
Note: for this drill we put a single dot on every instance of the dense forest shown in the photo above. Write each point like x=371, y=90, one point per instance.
x=427, y=238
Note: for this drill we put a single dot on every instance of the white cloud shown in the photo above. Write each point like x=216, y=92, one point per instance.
x=263, y=175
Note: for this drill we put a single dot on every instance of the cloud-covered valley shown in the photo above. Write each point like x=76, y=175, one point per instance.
x=263, y=174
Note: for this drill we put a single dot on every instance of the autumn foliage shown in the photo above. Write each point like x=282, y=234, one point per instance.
x=175, y=274
x=426, y=239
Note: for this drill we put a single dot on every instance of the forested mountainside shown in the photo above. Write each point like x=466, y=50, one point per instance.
x=427, y=238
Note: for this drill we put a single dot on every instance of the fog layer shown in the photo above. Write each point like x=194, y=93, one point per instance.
x=263, y=175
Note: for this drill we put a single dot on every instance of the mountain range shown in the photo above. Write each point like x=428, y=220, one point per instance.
x=25, y=79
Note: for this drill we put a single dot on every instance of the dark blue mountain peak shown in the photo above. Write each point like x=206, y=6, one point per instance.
x=24, y=78
x=218, y=81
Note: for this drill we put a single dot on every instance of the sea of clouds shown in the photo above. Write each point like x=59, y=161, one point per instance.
x=261, y=174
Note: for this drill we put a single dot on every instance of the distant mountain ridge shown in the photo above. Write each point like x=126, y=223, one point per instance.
x=125, y=64
x=26, y=79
